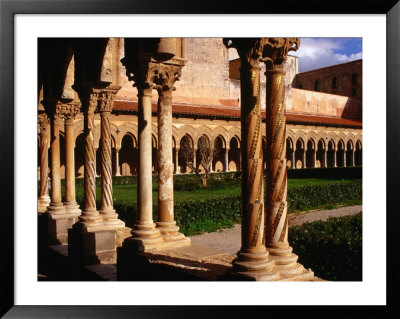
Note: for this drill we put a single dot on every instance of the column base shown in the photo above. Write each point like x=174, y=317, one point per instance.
x=72, y=208
x=145, y=236
x=58, y=226
x=110, y=218
x=170, y=233
x=254, y=265
x=91, y=220
x=56, y=208
x=89, y=247
x=43, y=203
x=287, y=265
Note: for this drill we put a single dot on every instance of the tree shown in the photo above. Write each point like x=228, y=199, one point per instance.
x=206, y=153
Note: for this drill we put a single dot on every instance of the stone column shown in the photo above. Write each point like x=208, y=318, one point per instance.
x=326, y=158
x=117, y=169
x=90, y=217
x=304, y=158
x=54, y=108
x=177, y=168
x=167, y=74
x=353, y=160
x=344, y=158
x=253, y=261
x=71, y=206
x=315, y=157
x=107, y=211
x=195, y=157
x=44, y=198
x=145, y=235
x=276, y=237
x=334, y=157
x=226, y=159
x=294, y=157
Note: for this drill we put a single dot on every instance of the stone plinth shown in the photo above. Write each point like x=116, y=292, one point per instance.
x=92, y=246
x=58, y=226
x=193, y=263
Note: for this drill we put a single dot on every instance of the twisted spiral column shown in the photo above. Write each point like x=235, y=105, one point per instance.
x=276, y=182
x=253, y=261
x=107, y=211
x=90, y=216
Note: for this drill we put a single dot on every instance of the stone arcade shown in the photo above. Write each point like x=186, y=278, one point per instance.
x=81, y=77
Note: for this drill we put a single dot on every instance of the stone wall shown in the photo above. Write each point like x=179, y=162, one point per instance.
x=324, y=104
x=344, y=74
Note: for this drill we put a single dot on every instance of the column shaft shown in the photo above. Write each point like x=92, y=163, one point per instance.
x=304, y=158
x=164, y=157
x=117, y=169
x=227, y=160
x=294, y=158
x=55, y=162
x=44, y=198
x=69, y=161
x=145, y=196
x=177, y=169
x=276, y=237
x=325, y=159
x=107, y=211
x=70, y=203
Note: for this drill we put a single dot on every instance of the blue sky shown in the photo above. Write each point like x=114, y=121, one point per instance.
x=316, y=53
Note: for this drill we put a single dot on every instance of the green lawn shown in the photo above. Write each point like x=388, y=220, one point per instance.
x=128, y=193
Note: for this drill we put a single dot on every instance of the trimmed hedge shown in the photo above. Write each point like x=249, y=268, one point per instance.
x=179, y=180
x=327, y=173
x=332, y=249
x=309, y=197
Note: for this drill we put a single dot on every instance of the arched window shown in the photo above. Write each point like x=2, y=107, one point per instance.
x=300, y=86
x=334, y=83
x=354, y=79
x=316, y=86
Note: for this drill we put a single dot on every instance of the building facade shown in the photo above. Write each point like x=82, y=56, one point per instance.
x=324, y=126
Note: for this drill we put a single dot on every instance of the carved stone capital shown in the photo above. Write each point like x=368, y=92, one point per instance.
x=249, y=50
x=67, y=110
x=106, y=97
x=96, y=96
x=275, y=50
x=43, y=121
x=165, y=76
x=140, y=72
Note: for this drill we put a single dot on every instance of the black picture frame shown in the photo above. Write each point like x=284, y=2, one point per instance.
x=8, y=10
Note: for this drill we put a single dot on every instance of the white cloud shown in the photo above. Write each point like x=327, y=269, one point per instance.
x=318, y=53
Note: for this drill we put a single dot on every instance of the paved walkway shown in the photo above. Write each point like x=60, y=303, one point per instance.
x=228, y=240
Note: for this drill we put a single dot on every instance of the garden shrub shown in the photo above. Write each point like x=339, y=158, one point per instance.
x=332, y=249
x=302, y=198
x=327, y=172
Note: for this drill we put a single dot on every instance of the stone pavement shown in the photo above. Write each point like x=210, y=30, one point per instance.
x=228, y=240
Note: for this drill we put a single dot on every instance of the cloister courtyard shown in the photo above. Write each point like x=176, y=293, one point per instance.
x=143, y=143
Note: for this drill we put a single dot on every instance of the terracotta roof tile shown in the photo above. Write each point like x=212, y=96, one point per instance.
x=233, y=112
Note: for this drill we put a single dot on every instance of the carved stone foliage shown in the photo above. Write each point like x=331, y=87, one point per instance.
x=165, y=76
x=67, y=111
x=249, y=50
x=275, y=50
x=43, y=121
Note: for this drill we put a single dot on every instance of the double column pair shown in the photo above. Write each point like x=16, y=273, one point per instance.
x=62, y=215
x=265, y=253
x=164, y=233
x=98, y=97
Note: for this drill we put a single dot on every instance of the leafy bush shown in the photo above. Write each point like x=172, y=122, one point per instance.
x=327, y=172
x=332, y=249
x=194, y=217
x=309, y=197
